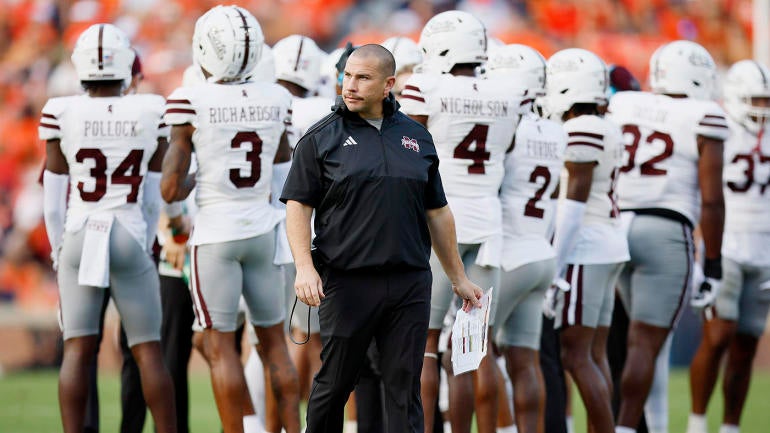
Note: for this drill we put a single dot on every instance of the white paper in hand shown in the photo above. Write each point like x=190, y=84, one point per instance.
x=470, y=335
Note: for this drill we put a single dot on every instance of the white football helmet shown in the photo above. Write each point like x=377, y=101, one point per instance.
x=574, y=76
x=451, y=38
x=265, y=69
x=683, y=68
x=103, y=52
x=745, y=80
x=404, y=50
x=227, y=43
x=297, y=60
x=519, y=63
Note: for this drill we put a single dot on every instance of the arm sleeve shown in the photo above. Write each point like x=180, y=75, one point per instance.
x=179, y=109
x=434, y=190
x=54, y=208
x=151, y=202
x=413, y=98
x=569, y=216
x=303, y=183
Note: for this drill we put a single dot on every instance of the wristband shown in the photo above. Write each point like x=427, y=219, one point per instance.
x=712, y=268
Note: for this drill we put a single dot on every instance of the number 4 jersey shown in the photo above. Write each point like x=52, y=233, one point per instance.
x=472, y=122
x=237, y=131
x=661, y=165
x=108, y=143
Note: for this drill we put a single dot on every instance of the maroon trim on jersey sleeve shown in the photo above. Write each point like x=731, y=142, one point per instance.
x=416, y=98
x=411, y=87
x=178, y=101
x=586, y=134
x=48, y=125
x=48, y=116
x=585, y=143
x=180, y=111
x=526, y=101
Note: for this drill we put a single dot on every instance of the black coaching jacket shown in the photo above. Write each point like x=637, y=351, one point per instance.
x=370, y=189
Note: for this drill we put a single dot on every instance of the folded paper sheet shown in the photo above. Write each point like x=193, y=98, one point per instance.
x=470, y=334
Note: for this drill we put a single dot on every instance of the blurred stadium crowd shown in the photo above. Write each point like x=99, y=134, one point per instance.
x=36, y=38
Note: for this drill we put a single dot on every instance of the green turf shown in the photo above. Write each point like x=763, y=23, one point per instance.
x=28, y=403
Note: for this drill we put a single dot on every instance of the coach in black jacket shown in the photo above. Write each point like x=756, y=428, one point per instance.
x=371, y=174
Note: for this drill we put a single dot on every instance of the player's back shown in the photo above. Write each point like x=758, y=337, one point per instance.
x=592, y=138
x=532, y=171
x=661, y=164
x=107, y=143
x=472, y=121
x=238, y=128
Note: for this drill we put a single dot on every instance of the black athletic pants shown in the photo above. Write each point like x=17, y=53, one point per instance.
x=553, y=375
x=391, y=308
x=176, y=344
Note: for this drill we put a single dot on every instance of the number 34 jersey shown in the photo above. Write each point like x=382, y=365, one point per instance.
x=237, y=131
x=107, y=143
x=661, y=160
x=472, y=122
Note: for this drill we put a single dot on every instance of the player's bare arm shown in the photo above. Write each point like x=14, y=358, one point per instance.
x=284, y=150
x=176, y=184
x=443, y=237
x=580, y=178
x=712, y=199
x=55, y=161
x=156, y=161
x=307, y=284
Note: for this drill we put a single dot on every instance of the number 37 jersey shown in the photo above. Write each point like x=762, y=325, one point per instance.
x=107, y=143
x=661, y=160
x=237, y=131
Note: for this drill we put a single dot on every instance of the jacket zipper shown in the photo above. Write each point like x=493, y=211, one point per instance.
x=382, y=146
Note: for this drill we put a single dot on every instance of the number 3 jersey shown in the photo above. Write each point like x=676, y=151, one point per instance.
x=107, y=143
x=237, y=131
x=661, y=165
x=472, y=122
x=747, y=187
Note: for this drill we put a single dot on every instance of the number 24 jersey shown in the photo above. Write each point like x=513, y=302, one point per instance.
x=237, y=131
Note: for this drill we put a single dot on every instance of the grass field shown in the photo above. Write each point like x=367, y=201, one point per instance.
x=28, y=404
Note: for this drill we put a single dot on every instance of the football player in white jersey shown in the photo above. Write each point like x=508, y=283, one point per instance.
x=472, y=121
x=671, y=180
x=297, y=68
x=237, y=129
x=589, y=241
x=106, y=150
x=737, y=319
x=532, y=171
x=407, y=55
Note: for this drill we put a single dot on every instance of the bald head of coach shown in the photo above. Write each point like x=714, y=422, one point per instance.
x=371, y=175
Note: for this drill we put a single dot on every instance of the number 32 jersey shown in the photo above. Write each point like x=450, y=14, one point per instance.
x=107, y=143
x=472, y=122
x=237, y=131
x=661, y=158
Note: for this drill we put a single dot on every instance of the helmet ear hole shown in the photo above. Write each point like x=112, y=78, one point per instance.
x=443, y=53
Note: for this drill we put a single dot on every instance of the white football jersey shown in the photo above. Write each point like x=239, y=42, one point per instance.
x=746, y=178
x=661, y=159
x=532, y=171
x=108, y=143
x=305, y=113
x=237, y=131
x=472, y=121
x=601, y=238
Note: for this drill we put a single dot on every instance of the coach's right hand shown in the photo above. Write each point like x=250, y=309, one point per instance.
x=307, y=285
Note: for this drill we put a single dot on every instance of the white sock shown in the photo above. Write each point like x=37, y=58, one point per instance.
x=252, y=424
x=509, y=429
x=729, y=428
x=570, y=424
x=697, y=424
x=350, y=427
x=622, y=429
x=656, y=406
x=447, y=426
x=253, y=371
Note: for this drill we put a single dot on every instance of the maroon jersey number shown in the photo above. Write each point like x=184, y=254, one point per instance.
x=463, y=150
x=531, y=209
x=127, y=173
x=648, y=167
x=252, y=156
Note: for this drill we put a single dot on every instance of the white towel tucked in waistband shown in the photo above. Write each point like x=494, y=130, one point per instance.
x=95, y=258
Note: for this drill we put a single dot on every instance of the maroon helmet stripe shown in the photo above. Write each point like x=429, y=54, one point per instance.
x=299, y=52
x=246, y=39
x=99, y=49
